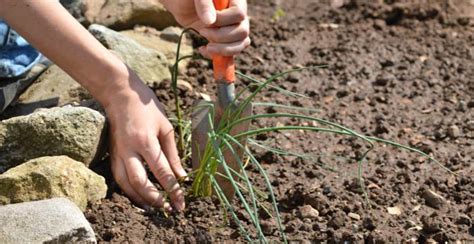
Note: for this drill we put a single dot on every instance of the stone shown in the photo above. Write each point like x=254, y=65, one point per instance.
x=337, y=220
x=52, y=88
x=454, y=131
x=125, y=14
x=76, y=8
x=433, y=199
x=470, y=125
x=149, y=64
x=309, y=212
x=394, y=210
x=268, y=226
x=354, y=216
x=50, y=177
x=162, y=42
x=55, y=220
x=463, y=219
x=171, y=34
x=72, y=131
x=432, y=223
x=184, y=85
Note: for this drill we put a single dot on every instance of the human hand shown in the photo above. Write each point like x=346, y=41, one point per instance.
x=227, y=31
x=140, y=133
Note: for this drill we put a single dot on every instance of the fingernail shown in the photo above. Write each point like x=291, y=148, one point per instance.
x=179, y=207
x=167, y=207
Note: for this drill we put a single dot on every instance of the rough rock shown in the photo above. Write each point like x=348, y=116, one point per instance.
x=171, y=33
x=164, y=42
x=433, y=199
x=354, y=216
x=470, y=125
x=76, y=8
x=150, y=65
x=55, y=220
x=268, y=226
x=309, y=212
x=184, y=85
x=124, y=14
x=53, y=88
x=72, y=131
x=50, y=177
x=454, y=131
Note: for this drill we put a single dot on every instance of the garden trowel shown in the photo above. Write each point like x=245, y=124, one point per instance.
x=224, y=75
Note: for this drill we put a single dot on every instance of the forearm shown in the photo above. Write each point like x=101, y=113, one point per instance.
x=50, y=29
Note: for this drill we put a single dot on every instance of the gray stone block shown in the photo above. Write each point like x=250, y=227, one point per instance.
x=55, y=220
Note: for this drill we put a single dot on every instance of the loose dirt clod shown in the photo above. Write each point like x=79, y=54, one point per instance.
x=433, y=199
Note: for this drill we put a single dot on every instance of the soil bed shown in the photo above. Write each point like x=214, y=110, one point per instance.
x=399, y=71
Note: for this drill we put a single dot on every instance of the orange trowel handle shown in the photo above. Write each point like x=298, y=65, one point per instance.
x=224, y=67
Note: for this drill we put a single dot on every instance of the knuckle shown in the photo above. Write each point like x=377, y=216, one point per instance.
x=243, y=33
x=121, y=181
x=240, y=14
x=135, y=180
x=168, y=128
x=159, y=201
x=140, y=139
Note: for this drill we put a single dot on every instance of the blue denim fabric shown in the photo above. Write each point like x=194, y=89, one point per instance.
x=17, y=56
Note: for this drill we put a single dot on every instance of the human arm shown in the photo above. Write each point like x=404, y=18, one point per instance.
x=139, y=130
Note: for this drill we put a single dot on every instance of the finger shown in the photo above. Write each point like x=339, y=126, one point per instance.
x=120, y=176
x=230, y=16
x=227, y=34
x=227, y=49
x=139, y=181
x=160, y=168
x=203, y=51
x=206, y=11
x=168, y=145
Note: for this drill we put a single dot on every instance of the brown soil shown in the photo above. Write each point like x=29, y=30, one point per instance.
x=398, y=70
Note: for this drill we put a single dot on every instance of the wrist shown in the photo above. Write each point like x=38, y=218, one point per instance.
x=119, y=84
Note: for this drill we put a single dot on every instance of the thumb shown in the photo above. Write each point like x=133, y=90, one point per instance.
x=205, y=11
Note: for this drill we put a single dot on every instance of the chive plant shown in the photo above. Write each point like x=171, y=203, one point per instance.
x=250, y=198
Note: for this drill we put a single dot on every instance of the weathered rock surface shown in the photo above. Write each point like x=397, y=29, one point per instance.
x=165, y=42
x=150, y=65
x=50, y=177
x=124, y=14
x=53, y=88
x=72, y=131
x=55, y=220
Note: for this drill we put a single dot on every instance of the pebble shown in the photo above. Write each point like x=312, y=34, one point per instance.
x=337, y=220
x=381, y=80
x=293, y=78
x=171, y=33
x=463, y=219
x=369, y=224
x=307, y=211
x=394, y=210
x=454, y=131
x=433, y=199
x=184, y=85
x=268, y=226
x=354, y=216
x=470, y=125
x=462, y=106
x=431, y=241
x=431, y=224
